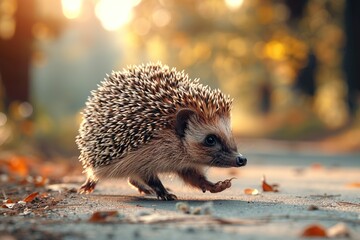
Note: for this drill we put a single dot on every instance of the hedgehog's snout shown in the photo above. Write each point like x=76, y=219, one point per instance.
x=241, y=160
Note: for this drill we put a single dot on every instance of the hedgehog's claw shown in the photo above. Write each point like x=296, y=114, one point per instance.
x=161, y=192
x=87, y=187
x=167, y=197
x=221, y=186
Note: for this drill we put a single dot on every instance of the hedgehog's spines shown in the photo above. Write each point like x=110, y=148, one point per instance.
x=130, y=106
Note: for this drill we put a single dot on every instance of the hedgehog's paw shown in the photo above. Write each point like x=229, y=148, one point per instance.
x=221, y=186
x=87, y=187
x=167, y=197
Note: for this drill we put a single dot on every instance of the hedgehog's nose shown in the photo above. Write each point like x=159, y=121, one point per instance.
x=241, y=160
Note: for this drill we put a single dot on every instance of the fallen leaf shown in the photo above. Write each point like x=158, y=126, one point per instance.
x=103, y=216
x=8, y=201
x=19, y=165
x=251, y=191
x=316, y=166
x=269, y=188
x=314, y=231
x=354, y=185
x=30, y=197
x=8, y=205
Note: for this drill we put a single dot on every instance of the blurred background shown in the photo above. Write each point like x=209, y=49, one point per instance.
x=291, y=66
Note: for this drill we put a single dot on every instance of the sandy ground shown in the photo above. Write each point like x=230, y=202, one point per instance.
x=313, y=189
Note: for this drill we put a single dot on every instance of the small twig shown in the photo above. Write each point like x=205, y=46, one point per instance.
x=4, y=194
x=311, y=217
x=342, y=203
x=326, y=196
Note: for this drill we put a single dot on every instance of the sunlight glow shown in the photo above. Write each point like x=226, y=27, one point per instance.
x=71, y=8
x=115, y=13
x=234, y=4
x=161, y=17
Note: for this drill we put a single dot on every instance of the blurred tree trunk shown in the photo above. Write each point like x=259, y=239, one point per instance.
x=15, y=55
x=352, y=52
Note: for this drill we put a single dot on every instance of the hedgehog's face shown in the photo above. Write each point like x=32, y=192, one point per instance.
x=208, y=143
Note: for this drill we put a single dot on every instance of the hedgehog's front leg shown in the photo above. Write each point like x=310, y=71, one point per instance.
x=196, y=178
x=155, y=183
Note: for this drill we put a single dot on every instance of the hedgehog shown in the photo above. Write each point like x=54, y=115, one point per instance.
x=149, y=119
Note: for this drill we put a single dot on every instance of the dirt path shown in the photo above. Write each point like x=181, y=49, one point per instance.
x=319, y=190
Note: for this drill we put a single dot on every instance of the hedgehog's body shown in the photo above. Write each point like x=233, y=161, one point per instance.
x=150, y=119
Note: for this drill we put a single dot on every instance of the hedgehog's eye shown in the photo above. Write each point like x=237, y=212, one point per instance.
x=210, y=140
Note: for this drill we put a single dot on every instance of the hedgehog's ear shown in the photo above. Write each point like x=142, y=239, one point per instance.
x=182, y=117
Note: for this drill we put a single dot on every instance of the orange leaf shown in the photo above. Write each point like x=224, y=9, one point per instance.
x=30, y=197
x=19, y=166
x=269, y=188
x=8, y=205
x=251, y=191
x=102, y=216
x=8, y=201
x=316, y=166
x=314, y=231
x=354, y=185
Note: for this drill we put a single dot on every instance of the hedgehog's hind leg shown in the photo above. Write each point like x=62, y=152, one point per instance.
x=161, y=192
x=88, y=186
x=141, y=187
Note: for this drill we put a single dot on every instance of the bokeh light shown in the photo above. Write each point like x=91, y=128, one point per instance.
x=113, y=14
x=71, y=8
x=234, y=4
x=285, y=71
x=7, y=21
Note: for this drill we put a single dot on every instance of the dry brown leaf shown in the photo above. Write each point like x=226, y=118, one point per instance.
x=30, y=197
x=251, y=191
x=314, y=231
x=269, y=188
x=102, y=216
